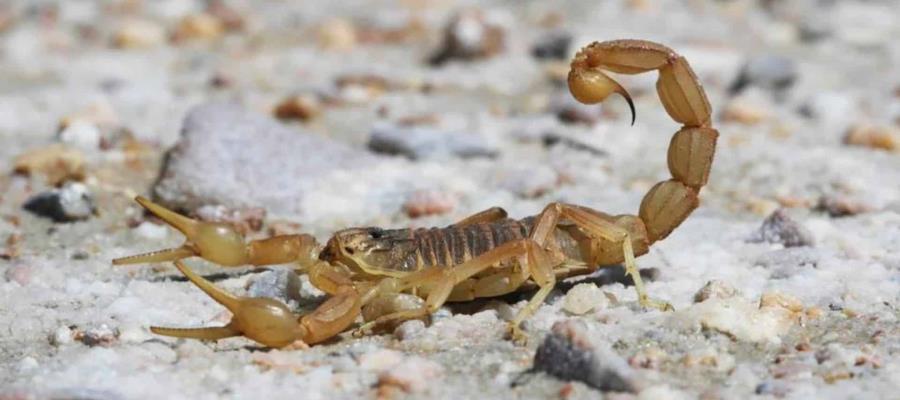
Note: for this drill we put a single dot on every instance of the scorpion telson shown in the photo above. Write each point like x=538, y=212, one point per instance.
x=392, y=275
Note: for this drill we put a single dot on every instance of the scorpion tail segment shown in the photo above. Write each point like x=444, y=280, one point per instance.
x=332, y=317
x=157, y=256
x=591, y=86
x=211, y=333
x=264, y=320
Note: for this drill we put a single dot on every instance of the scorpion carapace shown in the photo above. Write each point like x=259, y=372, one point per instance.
x=364, y=270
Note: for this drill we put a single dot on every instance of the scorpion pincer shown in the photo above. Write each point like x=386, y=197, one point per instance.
x=366, y=271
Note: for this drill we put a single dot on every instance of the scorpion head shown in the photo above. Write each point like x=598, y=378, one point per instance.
x=369, y=248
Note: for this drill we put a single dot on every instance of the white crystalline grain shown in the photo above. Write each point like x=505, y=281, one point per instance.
x=584, y=298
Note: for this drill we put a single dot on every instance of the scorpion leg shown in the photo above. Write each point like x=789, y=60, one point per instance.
x=490, y=215
x=439, y=283
x=626, y=232
x=223, y=245
x=268, y=321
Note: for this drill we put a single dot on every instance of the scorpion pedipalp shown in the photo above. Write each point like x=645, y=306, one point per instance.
x=222, y=244
x=264, y=320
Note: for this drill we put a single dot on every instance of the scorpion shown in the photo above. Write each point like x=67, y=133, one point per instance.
x=365, y=271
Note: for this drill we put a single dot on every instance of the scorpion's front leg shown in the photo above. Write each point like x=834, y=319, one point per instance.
x=268, y=321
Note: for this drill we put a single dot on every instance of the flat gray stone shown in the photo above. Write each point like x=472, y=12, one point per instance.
x=233, y=157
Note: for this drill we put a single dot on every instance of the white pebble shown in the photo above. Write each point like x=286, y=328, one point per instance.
x=149, y=230
x=27, y=364
x=62, y=335
x=81, y=134
x=584, y=298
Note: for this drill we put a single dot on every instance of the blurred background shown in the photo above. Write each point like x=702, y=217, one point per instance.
x=291, y=116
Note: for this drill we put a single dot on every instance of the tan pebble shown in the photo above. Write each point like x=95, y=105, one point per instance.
x=380, y=360
x=841, y=206
x=648, y=358
x=298, y=107
x=776, y=299
x=198, y=27
x=99, y=113
x=57, y=163
x=231, y=19
x=137, y=34
x=337, y=34
x=715, y=289
x=413, y=375
x=874, y=137
x=745, y=112
x=428, y=202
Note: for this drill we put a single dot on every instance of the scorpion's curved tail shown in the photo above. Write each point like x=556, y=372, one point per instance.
x=691, y=150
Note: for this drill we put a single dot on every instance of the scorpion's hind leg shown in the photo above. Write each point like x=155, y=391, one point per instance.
x=615, y=239
x=222, y=244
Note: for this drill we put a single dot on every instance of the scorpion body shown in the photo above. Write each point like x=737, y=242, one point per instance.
x=364, y=270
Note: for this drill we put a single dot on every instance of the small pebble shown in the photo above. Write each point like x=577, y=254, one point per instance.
x=785, y=301
x=409, y=329
x=781, y=228
x=879, y=137
x=28, y=364
x=528, y=181
x=429, y=202
x=19, y=273
x=298, y=107
x=747, y=110
x=771, y=72
x=715, y=289
x=584, y=298
x=137, y=34
x=552, y=45
x=380, y=360
x=841, y=206
x=82, y=135
x=198, y=27
x=57, y=163
x=469, y=35
x=72, y=202
x=337, y=34
x=62, y=335
x=102, y=335
x=568, y=354
x=428, y=143
x=413, y=375
x=149, y=230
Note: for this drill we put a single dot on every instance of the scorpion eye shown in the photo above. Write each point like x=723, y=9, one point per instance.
x=348, y=249
x=376, y=233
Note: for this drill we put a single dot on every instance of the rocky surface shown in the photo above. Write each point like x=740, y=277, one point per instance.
x=262, y=114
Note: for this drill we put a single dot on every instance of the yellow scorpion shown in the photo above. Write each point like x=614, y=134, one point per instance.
x=366, y=270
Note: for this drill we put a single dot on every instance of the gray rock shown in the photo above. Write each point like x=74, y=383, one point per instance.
x=568, y=354
x=72, y=202
x=280, y=283
x=781, y=228
x=232, y=157
x=553, y=45
x=418, y=142
x=767, y=71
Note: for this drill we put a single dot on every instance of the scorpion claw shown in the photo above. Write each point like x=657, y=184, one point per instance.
x=213, y=241
x=263, y=320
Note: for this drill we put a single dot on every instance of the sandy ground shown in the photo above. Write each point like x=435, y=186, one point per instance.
x=785, y=280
